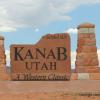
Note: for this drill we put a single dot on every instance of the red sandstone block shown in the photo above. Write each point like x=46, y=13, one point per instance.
x=4, y=77
x=3, y=73
x=88, y=42
x=74, y=76
x=84, y=41
x=87, y=39
x=80, y=70
x=95, y=70
x=92, y=35
x=94, y=76
x=79, y=45
x=87, y=67
x=2, y=54
x=2, y=69
x=86, y=55
x=87, y=62
x=87, y=70
x=87, y=49
x=2, y=46
x=2, y=49
x=88, y=35
x=2, y=61
x=87, y=59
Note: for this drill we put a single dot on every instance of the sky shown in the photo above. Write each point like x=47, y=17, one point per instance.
x=26, y=21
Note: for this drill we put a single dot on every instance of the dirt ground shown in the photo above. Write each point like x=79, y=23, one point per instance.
x=50, y=90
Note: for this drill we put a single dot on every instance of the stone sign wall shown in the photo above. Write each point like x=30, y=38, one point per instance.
x=49, y=59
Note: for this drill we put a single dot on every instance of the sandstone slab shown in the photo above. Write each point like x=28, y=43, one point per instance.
x=47, y=59
x=83, y=76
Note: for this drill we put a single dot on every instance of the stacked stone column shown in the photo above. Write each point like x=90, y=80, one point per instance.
x=3, y=73
x=2, y=52
x=87, y=57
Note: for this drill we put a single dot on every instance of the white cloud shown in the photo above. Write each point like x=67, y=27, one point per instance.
x=72, y=31
x=34, y=13
x=99, y=56
x=73, y=59
x=36, y=30
x=7, y=29
x=7, y=52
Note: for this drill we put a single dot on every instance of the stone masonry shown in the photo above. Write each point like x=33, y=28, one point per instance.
x=87, y=57
x=3, y=73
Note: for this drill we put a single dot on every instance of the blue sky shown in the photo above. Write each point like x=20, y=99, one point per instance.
x=25, y=21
